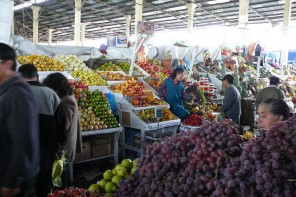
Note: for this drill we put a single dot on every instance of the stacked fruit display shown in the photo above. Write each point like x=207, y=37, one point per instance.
x=73, y=63
x=42, y=62
x=74, y=191
x=193, y=120
x=109, y=66
x=212, y=162
x=113, y=178
x=94, y=110
x=109, y=76
x=185, y=164
x=167, y=72
x=150, y=68
x=144, y=101
x=89, y=78
x=154, y=83
x=131, y=88
x=78, y=84
x=148, y=116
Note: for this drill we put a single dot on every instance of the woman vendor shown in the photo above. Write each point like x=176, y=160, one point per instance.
x=272, y=111
x=172, y=91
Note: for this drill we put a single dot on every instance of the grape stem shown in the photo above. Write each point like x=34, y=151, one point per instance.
x=291, y=180
x=217, y=168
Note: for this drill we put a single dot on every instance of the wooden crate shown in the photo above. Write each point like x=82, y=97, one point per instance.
x=101, y=145
x=86, y=152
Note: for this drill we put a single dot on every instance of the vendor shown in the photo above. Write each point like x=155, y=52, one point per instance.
x=272, y=111
x=172, y=91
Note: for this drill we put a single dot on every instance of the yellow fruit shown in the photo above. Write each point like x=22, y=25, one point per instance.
x=93, y=187
x=102, y=183
x=108, y=174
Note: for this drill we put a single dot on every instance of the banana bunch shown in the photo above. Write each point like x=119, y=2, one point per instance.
x=249, y=135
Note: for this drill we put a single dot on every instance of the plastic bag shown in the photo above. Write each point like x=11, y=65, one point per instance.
x=57, y=170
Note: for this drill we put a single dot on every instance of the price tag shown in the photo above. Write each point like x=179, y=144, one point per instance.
x=158, y=113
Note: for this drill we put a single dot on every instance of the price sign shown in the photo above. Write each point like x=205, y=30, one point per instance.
x=158, y=113
x=145, y=28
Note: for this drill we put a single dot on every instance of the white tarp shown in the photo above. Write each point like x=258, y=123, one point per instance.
x=6, y=13
x=120, y=53
x=26, y=47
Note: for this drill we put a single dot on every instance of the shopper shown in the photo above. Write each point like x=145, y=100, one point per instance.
x=60, y=84
x=172, y=91
x=272, y=111
x=19, y=136
x=232, y=100
x=52, y=127
x=272, y=91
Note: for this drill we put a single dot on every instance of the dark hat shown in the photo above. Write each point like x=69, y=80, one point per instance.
x=229, y=78
x=273, y=80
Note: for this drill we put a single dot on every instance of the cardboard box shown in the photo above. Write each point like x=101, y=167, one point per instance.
x=86, y=152
x=102, y=145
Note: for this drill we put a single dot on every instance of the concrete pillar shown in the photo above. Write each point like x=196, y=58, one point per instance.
x=286, y=23
x=243, y=19
x=191, y=7
x=138, y=13
x=36, y=10
x=128, y=19
x=77, y=29
x=12, y=24
x=82, y=28
x=49, y=39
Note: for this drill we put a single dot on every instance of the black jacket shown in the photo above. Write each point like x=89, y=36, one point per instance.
x=52, y=121
x=19, y=136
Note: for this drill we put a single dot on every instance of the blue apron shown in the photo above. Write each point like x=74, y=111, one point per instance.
x=174, y=98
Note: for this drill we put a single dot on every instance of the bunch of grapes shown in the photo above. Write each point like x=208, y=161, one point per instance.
x=266, y=167
x=186, y=164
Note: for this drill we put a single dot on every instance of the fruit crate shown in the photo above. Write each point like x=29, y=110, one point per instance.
x=130, y=119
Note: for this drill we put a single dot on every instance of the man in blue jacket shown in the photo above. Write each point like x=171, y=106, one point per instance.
x=232, y=100
x=19, y=137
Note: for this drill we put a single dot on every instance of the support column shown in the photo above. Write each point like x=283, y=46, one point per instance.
x=286, y=24
x=243, y=19
x=128, y=19
x=49, y=39
x=36, y=10
x=138, y=13
x=77, y=36
x=82, y=30
x=191, y=7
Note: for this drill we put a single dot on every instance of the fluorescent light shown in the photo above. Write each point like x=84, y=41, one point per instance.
x=217, y=1
x=283, y=1
x=27, y=4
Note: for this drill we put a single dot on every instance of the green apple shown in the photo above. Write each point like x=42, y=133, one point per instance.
x=116, y=179
x=108, y=174
x=127, y=163
x=110, y=187
x=93, y=187
x=102, y=183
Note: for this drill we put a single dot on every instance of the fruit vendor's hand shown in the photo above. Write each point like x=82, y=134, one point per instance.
x=9, y=192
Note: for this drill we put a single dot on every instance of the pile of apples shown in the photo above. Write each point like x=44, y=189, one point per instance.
x=73, y=63
x=155, y=83
x=131, y=88
x=112, y=178
x=150, y=68
x=167, y=71
x=42, y=62
x=109, y=76
x=89, y=78
x=71, y=191
x=109, y=66
x=144, y=101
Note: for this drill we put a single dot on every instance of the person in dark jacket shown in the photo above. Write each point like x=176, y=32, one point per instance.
x=52, y=127
x=232, y=100
x=270, y=92
x=19, y=136
x=60, y=84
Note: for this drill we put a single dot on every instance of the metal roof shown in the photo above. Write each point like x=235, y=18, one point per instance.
x=106, y=17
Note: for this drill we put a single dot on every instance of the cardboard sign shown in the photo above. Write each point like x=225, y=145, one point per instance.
x=145, y=28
